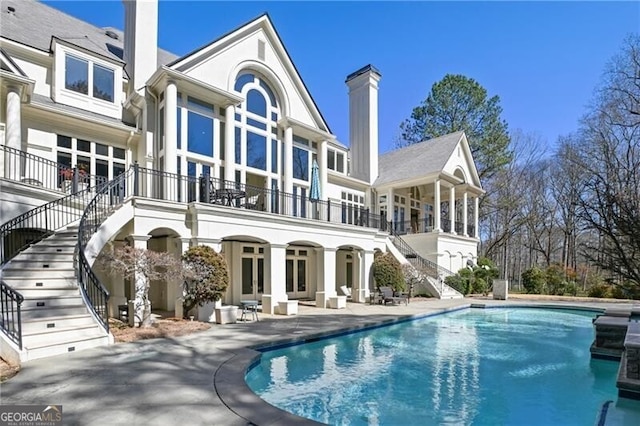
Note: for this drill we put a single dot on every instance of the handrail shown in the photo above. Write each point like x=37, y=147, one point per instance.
x=35, y=225
x=409, y=253
x=107, y=197
x=10, y=318
x=38, y=171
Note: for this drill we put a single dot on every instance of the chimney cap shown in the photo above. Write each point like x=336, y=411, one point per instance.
x=365, y=69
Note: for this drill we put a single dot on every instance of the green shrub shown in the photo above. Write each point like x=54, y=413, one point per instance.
x=480, y=286
x=555, y=279
x=207, y=276
x=457, y=283
x=388, y=272
x=599, y=290
x=571, y=289
x=533, y=280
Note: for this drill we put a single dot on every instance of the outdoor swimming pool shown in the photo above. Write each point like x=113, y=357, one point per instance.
x=506, y=366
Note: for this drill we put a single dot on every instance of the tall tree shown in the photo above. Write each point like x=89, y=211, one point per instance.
x=609, y=154
x=460, y=103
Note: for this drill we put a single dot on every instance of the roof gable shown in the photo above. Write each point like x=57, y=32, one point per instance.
x=425, y=158
x=230, y=55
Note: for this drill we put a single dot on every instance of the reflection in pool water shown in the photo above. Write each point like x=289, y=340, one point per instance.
x=495, y=366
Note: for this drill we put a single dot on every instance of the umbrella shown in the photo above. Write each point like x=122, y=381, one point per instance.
x=314, y=191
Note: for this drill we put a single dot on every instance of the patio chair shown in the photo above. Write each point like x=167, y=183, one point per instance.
x=346, y=291
x=388, y=296
x=251, y=203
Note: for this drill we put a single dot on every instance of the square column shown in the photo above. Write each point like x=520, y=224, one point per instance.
x=326, y=267
x=275, y=286
x=288, y=160
x=465, y=231
x=452, y=209
x=390, y=205
x=362, y=291
x=140, y=303
x=229, y=143
x=436, y=206
x=182, y=245
x=13, y=135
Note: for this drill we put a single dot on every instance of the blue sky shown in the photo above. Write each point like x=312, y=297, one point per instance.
x=542, y=58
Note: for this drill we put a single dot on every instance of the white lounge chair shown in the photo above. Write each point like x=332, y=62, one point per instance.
x=346, y=291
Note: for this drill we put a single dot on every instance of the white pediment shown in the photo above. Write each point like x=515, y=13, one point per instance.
x=254, y=46
x=461, y=161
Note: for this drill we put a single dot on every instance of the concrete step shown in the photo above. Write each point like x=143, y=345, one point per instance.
x=56, y=335
x=57, y=240
x=39, y=273
x=54, y=311
x=64, y=262
x=34, y=283
x=50, y=249
x=41, y=302
x=65, y=347
x=44, y=323
x=43, y=255
x=46, y=292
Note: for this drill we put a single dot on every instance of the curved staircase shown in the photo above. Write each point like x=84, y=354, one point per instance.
x=55, y=318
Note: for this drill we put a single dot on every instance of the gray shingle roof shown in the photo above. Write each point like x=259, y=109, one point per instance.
x=416, y=160
x=47, y=101
x=34, y=23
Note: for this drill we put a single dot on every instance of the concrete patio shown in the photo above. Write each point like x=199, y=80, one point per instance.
x=171, y=381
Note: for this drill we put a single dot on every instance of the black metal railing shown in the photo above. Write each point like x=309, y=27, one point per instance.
x=423, y=265
x=106, y=199
x=459, y=228
x=161, y=185
x=471, y=230
x=33, y=226
x=10, y=320
x=416, y=226
x=21, y=166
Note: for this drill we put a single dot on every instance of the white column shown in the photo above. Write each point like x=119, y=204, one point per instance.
x=390, y=205
x=436, y=205
x=322, y=164
x=230, y=143
x=361, y=293
x=171, y=128
x=288, y=160
x=13, y=135
x=475, y=217
x=140, y=291
x=452, y=209
x=327, y=287
x=182, y=245
x=464, y=214
x=276, y=285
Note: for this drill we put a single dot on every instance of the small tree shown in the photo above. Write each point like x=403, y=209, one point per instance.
x=142, y=266
x=207, y=277
x=387, y=271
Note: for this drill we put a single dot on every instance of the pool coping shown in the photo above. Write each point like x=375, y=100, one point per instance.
x=229, y=379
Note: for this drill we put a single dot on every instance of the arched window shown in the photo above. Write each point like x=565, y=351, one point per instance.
x=256, y=103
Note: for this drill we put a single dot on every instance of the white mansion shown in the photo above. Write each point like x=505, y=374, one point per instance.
x=108, y=140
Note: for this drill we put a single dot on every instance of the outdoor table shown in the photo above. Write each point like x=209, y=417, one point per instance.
x=249, y=308
x=228, y=195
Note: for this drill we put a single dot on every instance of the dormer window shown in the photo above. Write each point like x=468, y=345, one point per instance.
x=80, y=72
x=85, y=80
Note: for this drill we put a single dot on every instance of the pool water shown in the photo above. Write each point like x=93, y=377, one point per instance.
x=516, y=366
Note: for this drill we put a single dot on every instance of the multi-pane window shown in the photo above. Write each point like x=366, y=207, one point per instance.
x=335, y=160
x=90, y=157
x=353, y=211
x=200, y=137
x=85, y=77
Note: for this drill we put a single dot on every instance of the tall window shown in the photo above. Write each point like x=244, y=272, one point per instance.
x=256, y=136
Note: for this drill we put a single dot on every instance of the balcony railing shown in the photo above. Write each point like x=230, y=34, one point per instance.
x=459, y=228
x=161, y=185
x=27, y=168
x=418, y=226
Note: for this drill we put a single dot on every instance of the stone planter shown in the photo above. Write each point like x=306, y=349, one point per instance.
x=227, y=314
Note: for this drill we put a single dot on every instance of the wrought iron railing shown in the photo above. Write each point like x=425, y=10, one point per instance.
x=471, y=230
x=424, y=265
x=416, y=226
x=10, y=319
x=459, y=228
x=106, y=199
x=206, y=189
x=21, y=166
x=35, y=225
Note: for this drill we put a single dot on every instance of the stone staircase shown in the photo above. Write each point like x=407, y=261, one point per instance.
x=55, y=318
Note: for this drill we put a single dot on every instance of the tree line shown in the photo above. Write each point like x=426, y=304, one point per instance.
x=575, y=209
